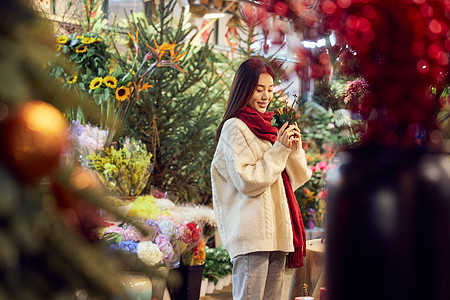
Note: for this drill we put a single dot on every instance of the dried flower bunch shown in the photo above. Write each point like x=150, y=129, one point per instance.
x=124, y=172
x=287, y=113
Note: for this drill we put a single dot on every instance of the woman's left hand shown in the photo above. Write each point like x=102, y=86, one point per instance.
x=296, y=137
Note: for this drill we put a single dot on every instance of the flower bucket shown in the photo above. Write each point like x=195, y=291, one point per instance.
x=203, y=287
x=159, y=284
x=219, y=284
x=210, y=287
x=191, y=283
x=227, y=280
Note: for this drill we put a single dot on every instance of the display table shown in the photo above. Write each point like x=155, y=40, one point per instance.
x=314, y=233
x=312, y=273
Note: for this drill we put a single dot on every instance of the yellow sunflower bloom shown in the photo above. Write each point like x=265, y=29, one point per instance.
x=58, y=47
x=95, y=83
x=110, y=81
x=98, y=40
x=81, y=49
x=62, y=39
x=122, y=93
x=87, y=40
x=72, y=79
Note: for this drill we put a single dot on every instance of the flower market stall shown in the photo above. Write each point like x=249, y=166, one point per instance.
x=108, y=128
x=167, y=236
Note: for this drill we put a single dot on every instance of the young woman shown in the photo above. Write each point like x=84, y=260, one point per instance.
x=255, y=171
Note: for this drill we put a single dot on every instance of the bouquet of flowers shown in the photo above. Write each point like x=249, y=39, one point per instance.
x=126, y=171
x=190, y=243
x=287, y=113
x=202, y=216
x=153, y=249
x=188, y=235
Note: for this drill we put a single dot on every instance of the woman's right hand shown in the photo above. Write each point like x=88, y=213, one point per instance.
x=286, y=135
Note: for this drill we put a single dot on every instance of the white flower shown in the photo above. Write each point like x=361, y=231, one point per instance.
x=164, y=203
x=149, y=253
x=86, y=140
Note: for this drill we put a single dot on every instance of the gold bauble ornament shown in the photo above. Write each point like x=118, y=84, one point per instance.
x=34, y=139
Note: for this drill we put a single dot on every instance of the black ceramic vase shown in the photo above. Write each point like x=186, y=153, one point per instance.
x=388, y=226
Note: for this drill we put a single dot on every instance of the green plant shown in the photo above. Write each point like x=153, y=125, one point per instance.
x=217, y=263
x=320, y=126
x=177, y=118
x=124, y=172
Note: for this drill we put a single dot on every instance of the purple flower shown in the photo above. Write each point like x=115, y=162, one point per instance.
x=165, y=246
x=128, y=246
x=113, y=247
x=130, y=233
x=76, y=128
x=154, y=225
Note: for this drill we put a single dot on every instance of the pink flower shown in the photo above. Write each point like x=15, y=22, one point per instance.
x=313, y=168
x=322, y=194
x=113, y=229
x=322, y=165
x=130, y=233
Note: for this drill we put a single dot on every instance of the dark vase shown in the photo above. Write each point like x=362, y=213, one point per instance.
x=388, y=226
x=191, y=280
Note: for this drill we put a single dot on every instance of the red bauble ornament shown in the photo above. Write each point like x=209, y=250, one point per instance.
x=34, y=139
x=77, y=213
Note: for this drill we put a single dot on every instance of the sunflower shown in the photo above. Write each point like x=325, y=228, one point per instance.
x=62, y=39
x=110, y=81
x=95, y=83
x=122, y=93
x=72, y=79
x=87, y=40
x=58, y=47
x=81, y=49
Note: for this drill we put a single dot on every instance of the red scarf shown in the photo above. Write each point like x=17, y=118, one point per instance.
x=260, y=125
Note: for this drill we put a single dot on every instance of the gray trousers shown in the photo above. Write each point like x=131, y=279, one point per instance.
x=258, y=275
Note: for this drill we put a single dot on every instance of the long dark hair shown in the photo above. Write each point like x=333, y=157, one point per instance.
x=242, y=88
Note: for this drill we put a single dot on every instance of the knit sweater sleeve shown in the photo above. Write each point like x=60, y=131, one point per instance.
x=297, y=168
x=251, y=168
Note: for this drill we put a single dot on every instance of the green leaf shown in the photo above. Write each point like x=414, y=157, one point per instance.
x=284, y=119
x=98, y=91
x=90, y=52
x=127, y=77
x=59, y=71
x=73, y=42
x=97, y=99
x=106, y=93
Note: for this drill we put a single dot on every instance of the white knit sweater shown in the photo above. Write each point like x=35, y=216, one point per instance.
x=248, y=192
